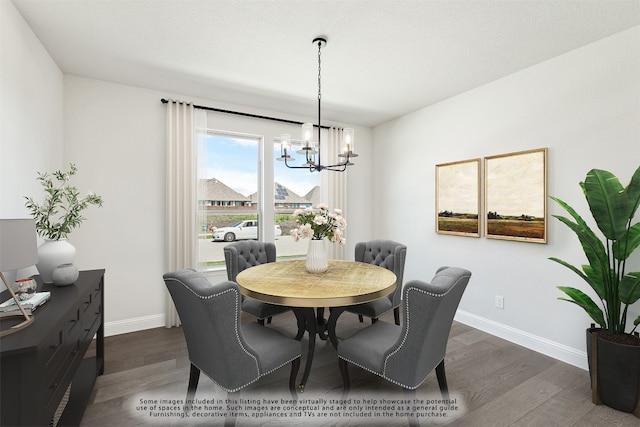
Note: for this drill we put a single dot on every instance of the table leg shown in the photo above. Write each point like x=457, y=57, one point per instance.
x=331, y=324
x=302, y=324
x=310, y=325
x=321, y=324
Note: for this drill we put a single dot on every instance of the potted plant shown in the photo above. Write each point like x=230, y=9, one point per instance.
x=613, y=353
x=58, y=214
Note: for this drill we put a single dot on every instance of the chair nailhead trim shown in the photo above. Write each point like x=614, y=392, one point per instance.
x=237, y=295
x=406, y=330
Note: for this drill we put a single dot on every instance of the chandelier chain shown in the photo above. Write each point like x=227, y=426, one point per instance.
x=319, y=70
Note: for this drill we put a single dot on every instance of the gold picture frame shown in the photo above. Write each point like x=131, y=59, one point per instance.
x=516, y=196
x=458, y=198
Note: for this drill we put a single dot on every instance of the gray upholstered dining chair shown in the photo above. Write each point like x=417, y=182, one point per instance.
x=244, y=254
x=390, y=255
x=406, y=354
x=232, y=354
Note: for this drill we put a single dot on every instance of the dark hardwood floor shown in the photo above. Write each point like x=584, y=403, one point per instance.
x=493, y=382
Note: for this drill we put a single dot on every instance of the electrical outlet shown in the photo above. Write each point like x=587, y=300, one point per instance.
x=500, y=302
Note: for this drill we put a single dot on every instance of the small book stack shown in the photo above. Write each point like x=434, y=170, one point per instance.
x=10, y=308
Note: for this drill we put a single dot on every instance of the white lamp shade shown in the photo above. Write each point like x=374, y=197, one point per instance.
x=18, y=244
x=307, y=133
x=285, y=143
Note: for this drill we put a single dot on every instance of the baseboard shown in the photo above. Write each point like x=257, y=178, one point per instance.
x=133, y=325
x=533, y=342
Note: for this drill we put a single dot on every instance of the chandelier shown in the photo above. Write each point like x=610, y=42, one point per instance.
x=310, y=147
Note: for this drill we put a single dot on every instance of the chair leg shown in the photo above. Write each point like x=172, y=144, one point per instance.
x=396, y=315
x=194, y=377
x=295, y=367
x=442, y=380
x=374, y=320
x=229, y=421
x=344, y=370
x=410, y=395
x=260, y=322
x=269, y=320
x=360, y=318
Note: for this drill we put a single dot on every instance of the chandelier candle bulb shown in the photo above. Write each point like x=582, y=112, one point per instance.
x=347, y=135
x=307, y=134
x=285, y=144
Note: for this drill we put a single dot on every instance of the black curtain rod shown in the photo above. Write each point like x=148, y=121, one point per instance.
x=239, y=113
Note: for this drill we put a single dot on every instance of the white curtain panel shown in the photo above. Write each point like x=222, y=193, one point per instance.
x=180, y=236
x=336, y=187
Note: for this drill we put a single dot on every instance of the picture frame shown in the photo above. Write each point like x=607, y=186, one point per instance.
x=458, y=198
x=516, y=196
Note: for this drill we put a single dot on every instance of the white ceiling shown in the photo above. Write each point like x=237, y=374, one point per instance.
x=383, y=59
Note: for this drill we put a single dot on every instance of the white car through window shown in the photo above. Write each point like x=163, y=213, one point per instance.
x=242, y=230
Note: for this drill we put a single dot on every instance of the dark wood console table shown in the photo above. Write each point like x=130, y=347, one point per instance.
x=44, y=365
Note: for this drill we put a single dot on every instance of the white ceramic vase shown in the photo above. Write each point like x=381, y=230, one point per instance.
x=65, y=275
x=317, y=261
x=51, y=254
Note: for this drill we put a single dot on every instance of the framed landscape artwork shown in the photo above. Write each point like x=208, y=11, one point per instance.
x=458, y=198
x=516, y=196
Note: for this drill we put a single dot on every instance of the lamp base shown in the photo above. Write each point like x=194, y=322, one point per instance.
x=17, y=327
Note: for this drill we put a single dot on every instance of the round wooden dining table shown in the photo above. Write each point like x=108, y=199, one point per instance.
x=288, y=283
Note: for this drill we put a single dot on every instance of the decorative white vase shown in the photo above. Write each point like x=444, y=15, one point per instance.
x=51, y=254
x=317, y=261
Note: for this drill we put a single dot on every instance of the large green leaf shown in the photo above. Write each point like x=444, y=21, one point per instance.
x=591, y=244
x=627, y=244
x=630, y=288
x=608, y=202
x=596, y=285
x=581, y=299
x=633, y=193
x=594, y=278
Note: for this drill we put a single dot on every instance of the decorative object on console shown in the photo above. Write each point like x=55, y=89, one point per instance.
x=65, y=274
x=458, y=198
x=18, y=249
x=516, y=196
x=311, y=148
x=318, y=225
x=51, y=254
x=29, y=304
x=25, y=288
x=56, y=217
x=613, y=354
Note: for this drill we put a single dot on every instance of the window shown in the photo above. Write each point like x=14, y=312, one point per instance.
x=226, y=192
x=235, y=174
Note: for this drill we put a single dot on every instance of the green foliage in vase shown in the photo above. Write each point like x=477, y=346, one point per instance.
x=60, y=211
x=613, y=208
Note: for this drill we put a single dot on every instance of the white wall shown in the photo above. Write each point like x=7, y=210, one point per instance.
x=585, y=107
x=116, y=134
x=31, y=113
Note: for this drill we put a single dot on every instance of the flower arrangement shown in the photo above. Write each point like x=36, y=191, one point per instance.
x=60, y=211
x=319, y=224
